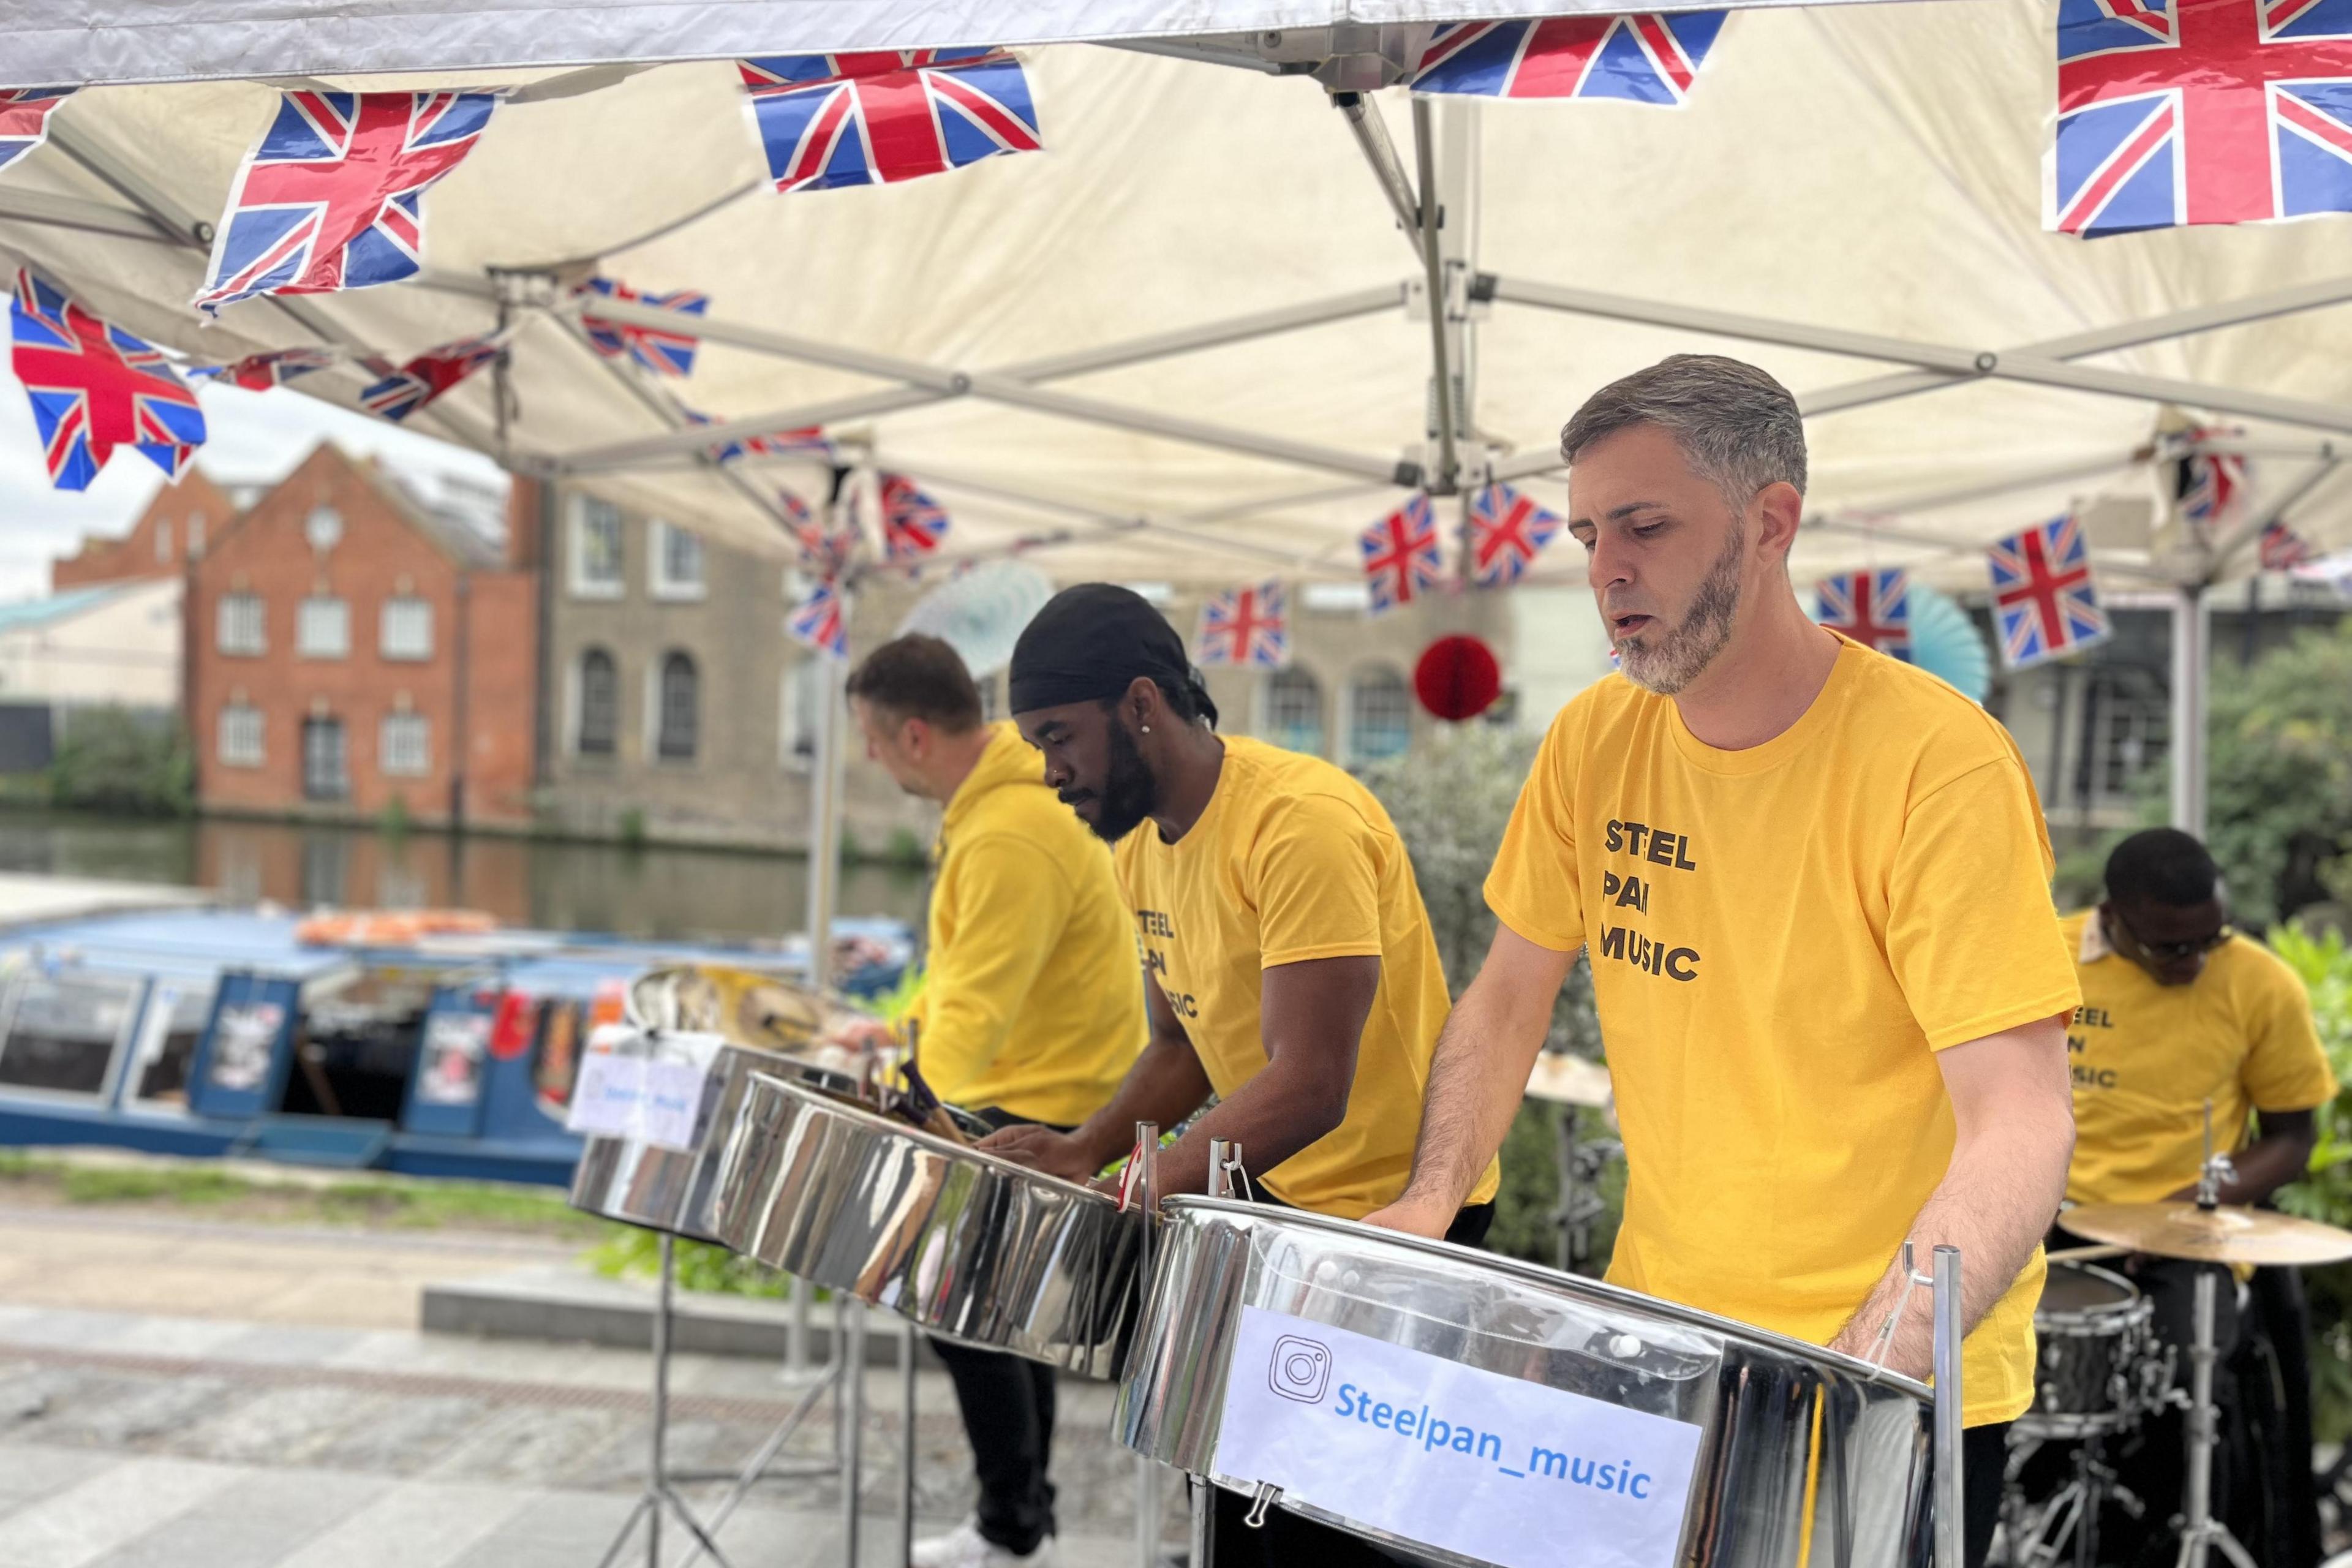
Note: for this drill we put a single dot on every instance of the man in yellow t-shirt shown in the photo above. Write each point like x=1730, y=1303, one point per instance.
x=1030, y=1014
x=1811, y=882
x=1294, y=973
x=2177, y=1011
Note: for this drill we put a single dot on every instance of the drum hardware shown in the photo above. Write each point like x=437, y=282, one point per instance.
x=659, y=1493
x=1140, y=1182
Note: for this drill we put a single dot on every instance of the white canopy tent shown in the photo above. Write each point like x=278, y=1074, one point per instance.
x=1190, y=340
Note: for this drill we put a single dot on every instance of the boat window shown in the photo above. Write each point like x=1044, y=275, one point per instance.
x=63, y=1033
x=174, y=1022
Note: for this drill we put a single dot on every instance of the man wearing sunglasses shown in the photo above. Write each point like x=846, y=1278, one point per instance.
x=2180, y=1010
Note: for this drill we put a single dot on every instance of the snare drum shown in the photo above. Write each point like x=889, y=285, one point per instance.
x=2093, y=1327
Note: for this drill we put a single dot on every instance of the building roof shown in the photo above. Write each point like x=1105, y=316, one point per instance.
x=26, y=614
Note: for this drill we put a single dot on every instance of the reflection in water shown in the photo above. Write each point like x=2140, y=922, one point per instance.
x=658, y=891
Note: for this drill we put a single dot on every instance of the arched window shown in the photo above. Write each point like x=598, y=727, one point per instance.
x=674, y=739
x=1293, y=710
x=600, y=704
x=1380, y=716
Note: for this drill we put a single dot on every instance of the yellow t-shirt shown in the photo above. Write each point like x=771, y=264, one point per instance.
x=2147, y=1057
x=1293, y=859
x=1032, y=1004
x=1782, y=939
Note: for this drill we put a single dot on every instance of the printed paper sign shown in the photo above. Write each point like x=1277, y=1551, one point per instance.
x=655, y=1102
x=450, y=1066
x=1494, y=1467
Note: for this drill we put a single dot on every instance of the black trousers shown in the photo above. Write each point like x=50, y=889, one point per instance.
x=1983, y=1451
x=1008, y=1414
x=1287, y=1541
x=2154, y=1462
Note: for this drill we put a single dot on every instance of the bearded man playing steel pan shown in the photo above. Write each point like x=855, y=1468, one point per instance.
x=1813, y=885
x=1292, y=969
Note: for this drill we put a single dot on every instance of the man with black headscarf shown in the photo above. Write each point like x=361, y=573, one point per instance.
x=1293, y=974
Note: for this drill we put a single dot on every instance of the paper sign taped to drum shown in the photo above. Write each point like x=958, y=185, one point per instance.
x=1494, y=1467
x=645, y=1102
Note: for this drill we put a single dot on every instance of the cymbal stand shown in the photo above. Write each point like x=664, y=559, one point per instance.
x=2200, y=1532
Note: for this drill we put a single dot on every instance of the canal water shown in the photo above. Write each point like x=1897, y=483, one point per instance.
x=656, y=890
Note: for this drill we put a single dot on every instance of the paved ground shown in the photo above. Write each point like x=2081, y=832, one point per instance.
x=175, y=1394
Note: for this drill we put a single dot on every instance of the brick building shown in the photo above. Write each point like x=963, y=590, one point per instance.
x=353, y=644
x=170, y=534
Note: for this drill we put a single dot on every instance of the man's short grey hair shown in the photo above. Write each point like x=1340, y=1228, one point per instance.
x=1737, y=425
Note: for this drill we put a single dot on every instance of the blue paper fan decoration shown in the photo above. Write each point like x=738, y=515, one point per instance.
x=1945, y=643
x=981, y=613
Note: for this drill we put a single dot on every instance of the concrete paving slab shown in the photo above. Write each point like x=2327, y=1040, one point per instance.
x=287, y=1344
x=419, y=1524
x=30, y=1473
x=106, y=1410
x=119, y=1504
x=534, y=1447
x=258, y=1520
x=276, y=1427
x=405, y=1436
x=558, y=1529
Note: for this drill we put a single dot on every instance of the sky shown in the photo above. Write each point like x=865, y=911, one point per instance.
x=251, y=436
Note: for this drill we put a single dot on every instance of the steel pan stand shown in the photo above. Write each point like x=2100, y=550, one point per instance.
x=659, y=1493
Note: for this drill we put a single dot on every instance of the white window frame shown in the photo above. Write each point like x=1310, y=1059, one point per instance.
x=402, y=649
x=233, y=616
x=797, y=685
x=398, y=736
x=575, y=554
x=1349, y=737
x=659, y=538
x=656, y=710
x=576, y=704
x=1266, y=725
x=231, y=726
x=311, y=616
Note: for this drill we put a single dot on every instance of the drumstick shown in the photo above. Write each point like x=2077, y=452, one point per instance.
x=2088, y=1254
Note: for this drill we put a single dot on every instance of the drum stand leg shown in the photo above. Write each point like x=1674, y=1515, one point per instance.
x=907, y=1444
x=2200, y=1532
x=1950, y=1490
x=1203, y=1499
x=852, y=1407
x=659, y=1493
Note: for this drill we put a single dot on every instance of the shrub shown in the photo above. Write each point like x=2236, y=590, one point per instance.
x=113, y=759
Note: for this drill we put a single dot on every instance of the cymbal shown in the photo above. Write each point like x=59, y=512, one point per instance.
x=1571, y=1080
x=2225, y=1235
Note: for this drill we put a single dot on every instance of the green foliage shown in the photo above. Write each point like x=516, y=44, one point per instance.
x=906, y=848
x=633, y=1254
x=1450, y=798
x=2325, y=966
x=2279, y=772
x=393, y=821
x=633, y=829
x=111, y=759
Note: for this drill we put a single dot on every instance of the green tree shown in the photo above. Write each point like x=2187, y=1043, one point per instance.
x=112, y=758
x=2279, y=773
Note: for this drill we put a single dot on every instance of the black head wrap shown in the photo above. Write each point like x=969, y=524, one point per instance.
x=1090, y=642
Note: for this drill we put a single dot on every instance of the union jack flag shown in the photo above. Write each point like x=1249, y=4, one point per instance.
x=1650, y=58
x=259, y=372
x=663, y=351
x=1506, y=531
x=875, y=118
x=431, y=374
x=2209, y=483
x=823, y=554
x=2281, y=549
x=1401, y=556
x=808, y=441
x=2043, y=594
x=818, y=620
x=912, y=523
x=1874, y=608
x=1244, y=625
x=25, y=119
x=332, y=196
x=2196, y=111
x=95, y=387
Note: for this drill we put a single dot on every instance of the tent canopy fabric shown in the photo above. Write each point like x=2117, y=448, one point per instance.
x=1867, y=169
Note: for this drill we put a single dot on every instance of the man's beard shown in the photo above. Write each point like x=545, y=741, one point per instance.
x=1680, y=656
x=1128, y=791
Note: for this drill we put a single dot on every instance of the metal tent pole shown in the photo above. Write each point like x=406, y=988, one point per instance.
x=2191, y=671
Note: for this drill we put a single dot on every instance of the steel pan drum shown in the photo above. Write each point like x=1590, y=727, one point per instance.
x=970, y=1247
x=669, y=1188
x=1804, y=1459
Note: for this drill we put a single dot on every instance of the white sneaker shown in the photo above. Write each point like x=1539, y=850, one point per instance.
x=965, y=1547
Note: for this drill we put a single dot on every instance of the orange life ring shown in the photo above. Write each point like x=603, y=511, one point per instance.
x=389, y=928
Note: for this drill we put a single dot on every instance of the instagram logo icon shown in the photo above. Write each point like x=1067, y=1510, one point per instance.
x=1301, y=1369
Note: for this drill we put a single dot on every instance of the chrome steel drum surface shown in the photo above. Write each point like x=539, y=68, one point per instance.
x=671, y=1189
x=970, y=1247
x=1805, y=1459
x=2096, y=1372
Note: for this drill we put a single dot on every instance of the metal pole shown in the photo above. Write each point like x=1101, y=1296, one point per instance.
x=1424, y=148
x=906, y=1443
x=825, y=777
x=2190, y=674
x=661, y=1398
x=1950, y=1492
x=852, y=1408
x=1146, y=1469
x=2198, y=1507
